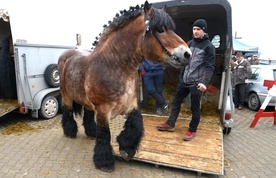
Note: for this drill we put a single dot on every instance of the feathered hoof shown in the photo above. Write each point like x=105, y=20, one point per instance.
x=107, y=169
x=93, y=136
x=71, y=135
x=124, y=155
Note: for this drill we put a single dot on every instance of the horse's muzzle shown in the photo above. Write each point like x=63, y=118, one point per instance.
x=187, y=55
x=176, y=62
x=180, y=57
x=180, y=62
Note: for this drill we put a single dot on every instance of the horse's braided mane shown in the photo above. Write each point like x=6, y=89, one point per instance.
x=118, y=20
x=159, y=20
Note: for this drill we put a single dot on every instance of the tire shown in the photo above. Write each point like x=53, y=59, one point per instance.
x=51, y=75
x=49, y=107
x=226, y=130
x=254, y=103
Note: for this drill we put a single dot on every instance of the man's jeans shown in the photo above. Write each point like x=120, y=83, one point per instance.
x=153, y=83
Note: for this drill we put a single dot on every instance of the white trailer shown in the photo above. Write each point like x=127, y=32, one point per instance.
x=40, y=31
x=30, y=79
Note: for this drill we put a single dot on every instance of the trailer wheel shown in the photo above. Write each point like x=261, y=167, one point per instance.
x=49, y=107
x=226, y=130
x=51, y=75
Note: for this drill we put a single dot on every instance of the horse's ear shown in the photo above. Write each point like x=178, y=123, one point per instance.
x=147, y=7
x=164, y=8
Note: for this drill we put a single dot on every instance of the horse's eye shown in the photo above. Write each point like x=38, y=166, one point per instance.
x=160, y=30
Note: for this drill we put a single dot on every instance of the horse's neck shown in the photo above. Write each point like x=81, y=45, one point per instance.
x=123, y=46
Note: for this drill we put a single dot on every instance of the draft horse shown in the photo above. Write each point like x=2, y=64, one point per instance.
x=105, y=81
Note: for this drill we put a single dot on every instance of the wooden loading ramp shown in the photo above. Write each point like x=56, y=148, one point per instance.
x=204, y=154
x=7, y=105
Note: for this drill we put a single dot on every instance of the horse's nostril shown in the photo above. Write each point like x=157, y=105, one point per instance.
x=187, y=55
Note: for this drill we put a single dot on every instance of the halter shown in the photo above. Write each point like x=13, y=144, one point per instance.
x=147, y=28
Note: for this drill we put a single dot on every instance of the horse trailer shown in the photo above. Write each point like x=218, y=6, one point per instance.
x=29, y=76
x=218, y=15
x=219, y=19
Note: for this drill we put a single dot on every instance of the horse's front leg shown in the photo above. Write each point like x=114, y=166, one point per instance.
x=103, y=157
x=130, y=138
x=69, y=125
x=89, y=123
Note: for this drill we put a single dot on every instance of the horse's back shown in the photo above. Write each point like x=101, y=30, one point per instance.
x=72, y=65
x=72, y=54
x=69, y=56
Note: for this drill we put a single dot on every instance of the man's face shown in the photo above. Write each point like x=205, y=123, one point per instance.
x=198, y=32
x=239, y=58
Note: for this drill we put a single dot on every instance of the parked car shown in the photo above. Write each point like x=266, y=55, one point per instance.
x=256, y=92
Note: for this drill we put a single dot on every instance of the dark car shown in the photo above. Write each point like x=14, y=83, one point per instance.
x=256, y=92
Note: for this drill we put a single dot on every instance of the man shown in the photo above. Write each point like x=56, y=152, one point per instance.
x=241, y=72
x=255, y=60
x=153, y=76
x=193, y=79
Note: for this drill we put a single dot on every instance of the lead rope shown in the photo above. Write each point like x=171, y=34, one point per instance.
x=154, y=34
x=165, y=49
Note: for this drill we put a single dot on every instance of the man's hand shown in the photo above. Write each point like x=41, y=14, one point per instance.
x=201, y=87
x=143, y=72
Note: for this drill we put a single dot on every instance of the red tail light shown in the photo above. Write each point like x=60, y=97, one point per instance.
x=21, y=109
x=228, y=116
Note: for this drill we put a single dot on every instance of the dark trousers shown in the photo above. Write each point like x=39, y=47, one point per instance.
x=240, y=94
x=153, y=82
x=181, y=92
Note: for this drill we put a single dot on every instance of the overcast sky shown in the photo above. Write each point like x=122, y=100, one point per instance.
x=254, y=23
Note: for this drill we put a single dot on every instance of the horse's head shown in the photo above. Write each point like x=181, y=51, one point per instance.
x=160, y=42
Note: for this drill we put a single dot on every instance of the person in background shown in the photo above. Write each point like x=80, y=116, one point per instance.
x=255, y=60
x=193, y=79
x=153, y=76
x=234, y=58
x=241, y=72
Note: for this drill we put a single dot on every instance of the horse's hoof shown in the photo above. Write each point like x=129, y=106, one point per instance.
x=70, y=136
x=91, y=136
x=124, y=155
x=107, y=169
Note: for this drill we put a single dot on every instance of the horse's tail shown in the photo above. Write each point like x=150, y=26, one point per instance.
x=77, y=108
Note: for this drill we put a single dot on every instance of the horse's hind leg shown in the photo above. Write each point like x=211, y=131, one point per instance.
x=69, y=125
x=89, y=123
x=103, y=157
x=130, y=138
